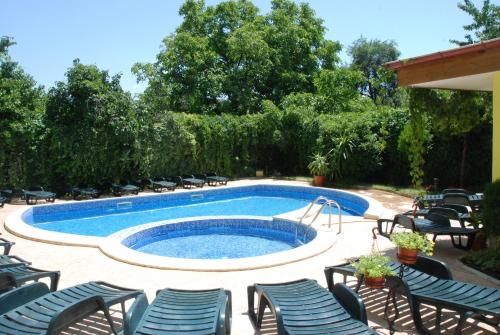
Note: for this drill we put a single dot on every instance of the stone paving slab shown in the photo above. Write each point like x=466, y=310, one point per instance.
x=81, y=264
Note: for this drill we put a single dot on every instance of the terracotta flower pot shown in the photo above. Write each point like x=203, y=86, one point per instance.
x=407, y=256
x=377, y=282
x=319, y=180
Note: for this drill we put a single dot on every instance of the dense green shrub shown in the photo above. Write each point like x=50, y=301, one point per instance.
x=490, y=213
x=91, y=129
x=175, y=143
x=22, y=104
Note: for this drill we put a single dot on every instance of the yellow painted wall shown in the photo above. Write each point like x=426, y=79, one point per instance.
x=496, y=126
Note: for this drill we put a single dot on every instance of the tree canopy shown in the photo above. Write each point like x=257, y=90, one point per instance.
x=229, y=58
x=368, y=56
x=22, y=103
x=486, y=23
x=91, y=127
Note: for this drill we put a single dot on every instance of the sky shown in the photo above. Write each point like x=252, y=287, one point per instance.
x=115, y=34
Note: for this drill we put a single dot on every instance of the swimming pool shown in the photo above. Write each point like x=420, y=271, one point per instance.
x=104, y=217
x=109, y=223
x=220, y=238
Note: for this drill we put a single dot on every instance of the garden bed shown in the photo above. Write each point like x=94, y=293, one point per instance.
x=485, y=261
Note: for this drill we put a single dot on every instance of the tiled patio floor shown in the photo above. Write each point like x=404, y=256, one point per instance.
x=80, y=264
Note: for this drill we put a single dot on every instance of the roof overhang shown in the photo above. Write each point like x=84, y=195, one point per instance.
x=466, y=68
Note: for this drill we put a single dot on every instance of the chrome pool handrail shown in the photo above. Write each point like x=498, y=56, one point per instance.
x=324, y=202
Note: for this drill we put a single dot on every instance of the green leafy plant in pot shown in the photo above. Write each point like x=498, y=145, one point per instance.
x=374, y=268
x=339, y=154
x=319, y=168
x=410, y=244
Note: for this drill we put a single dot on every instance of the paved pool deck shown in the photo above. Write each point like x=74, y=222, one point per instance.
x=81, y=264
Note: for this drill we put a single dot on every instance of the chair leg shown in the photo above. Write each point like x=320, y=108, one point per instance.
x=438, y=319
x=251, y=305
x=461, y=323
x=417, y=318
x=260, y=312
x=358, y=284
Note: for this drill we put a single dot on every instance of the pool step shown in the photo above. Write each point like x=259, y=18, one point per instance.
x=124, y=205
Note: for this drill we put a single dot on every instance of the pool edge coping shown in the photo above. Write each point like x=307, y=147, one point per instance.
x=15, y=225
x=113, y=248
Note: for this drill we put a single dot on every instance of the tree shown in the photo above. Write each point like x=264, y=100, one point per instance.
x=336, y=89
x=91, y=128
x=486, y=23
x=21, y=109
x=369, y=56
x=228, y=58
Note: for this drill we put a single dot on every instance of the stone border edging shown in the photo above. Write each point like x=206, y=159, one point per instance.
x=478, y=273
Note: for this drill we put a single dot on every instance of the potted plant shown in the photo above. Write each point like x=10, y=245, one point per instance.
x=374, y=268
x=410, y=244
x=319, y=168
x=339, y=154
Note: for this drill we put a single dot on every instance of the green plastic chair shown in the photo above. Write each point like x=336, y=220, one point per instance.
x=430, y=281
x=33, y=309
x=304, y=307
x=174, y=311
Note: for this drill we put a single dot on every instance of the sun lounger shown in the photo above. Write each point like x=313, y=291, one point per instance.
x=159, y=184
x=10, y=260
x=9, y=194
x=304, y=307
x=35, y=193
x=124, y=188
x=453, y=190
x=213, y=179
x=6, y=245
x=84, y=191
x=434, y=224
x=23, y=273
x=33, y=309
x=181, y=312
x=190, y=180
x=430, y=282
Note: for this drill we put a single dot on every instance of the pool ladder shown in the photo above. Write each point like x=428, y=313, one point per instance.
x=322, y=202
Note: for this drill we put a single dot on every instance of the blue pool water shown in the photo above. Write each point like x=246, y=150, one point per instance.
x=105, y=217
x=220, y=238
x=215, y=246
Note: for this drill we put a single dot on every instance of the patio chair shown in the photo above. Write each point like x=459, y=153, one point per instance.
x=7, y=283
x=35, y=193
x=213, y=179
x=33, y=309
x=430, y=282
x=190, y=180
x=84, y=191
x=181, y=312
x=304, y=307
x=5, y=196
x=201, y=176
x=434, y=224
x=23, y=273
x=456, y=199
x=6, y=245
x=175, y=179
x=10, y=260
x=453, y=190
x=124, y=188
x=159, y=184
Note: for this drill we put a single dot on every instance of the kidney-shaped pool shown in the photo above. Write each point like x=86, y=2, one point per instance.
x=164, y=222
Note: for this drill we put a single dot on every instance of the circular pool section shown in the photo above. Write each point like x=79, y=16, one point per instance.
x=220, y=238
